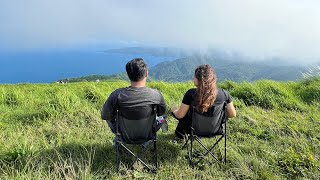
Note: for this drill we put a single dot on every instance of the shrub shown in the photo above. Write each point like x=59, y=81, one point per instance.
x=11, y=99
x=91, y=95
x=228, y=85
x=267, y=95
x=310, y=93
x=247, y=93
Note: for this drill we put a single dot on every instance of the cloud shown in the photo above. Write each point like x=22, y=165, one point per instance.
x=253, y=27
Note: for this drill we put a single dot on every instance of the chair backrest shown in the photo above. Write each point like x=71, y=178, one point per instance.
x=210, y=125
x=136, y=125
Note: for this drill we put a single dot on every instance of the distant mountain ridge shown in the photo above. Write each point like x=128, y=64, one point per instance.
x=226, y=68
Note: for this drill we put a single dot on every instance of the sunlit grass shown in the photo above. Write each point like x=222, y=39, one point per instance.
x=54, y=131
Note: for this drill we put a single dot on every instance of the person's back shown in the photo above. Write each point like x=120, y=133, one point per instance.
x=135, y=96
x=203, y=99
x=131, y=113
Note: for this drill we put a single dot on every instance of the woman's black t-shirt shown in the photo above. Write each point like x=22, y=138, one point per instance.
x=188, y=99
x=222, y=96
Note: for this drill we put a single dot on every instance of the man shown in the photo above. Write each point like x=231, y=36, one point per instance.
x=137, y=95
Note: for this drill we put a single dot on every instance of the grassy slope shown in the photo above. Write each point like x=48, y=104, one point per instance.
x=55, y=131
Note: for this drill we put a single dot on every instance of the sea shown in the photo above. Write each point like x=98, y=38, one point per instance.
x=48, y=67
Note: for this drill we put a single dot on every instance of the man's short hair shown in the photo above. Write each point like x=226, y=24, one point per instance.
x=136, y=69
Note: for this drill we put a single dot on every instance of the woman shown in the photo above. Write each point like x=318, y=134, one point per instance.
x=203, y=97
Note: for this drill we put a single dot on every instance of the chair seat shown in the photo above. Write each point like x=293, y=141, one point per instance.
x=206, y=134
x=138, y=141
x=212, y=135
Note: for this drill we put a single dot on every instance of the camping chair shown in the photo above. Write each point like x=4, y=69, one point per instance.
x=204, y=126
x=136, y=126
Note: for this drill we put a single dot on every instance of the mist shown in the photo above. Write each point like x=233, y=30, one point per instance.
x=259, y=28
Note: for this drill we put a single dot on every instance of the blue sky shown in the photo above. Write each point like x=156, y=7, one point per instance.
x=253, y=27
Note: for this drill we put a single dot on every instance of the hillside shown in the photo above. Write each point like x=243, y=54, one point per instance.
x=94, y=78
x=233, y=68
x=54, y=131
x=226, y=69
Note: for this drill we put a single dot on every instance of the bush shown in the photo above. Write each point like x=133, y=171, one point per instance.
x=228, y=85
x=91, y=95
x=247, y=93
x=267, y=95
x=309, y=91
x=11, y=99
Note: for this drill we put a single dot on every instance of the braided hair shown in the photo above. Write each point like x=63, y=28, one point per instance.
x=206, y=89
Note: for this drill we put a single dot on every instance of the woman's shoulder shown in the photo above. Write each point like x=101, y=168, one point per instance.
x=223, y=95
x=189, y=96
x=192, y=90
x=222, y=91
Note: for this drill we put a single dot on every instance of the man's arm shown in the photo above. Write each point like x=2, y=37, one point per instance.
x=162, y=106
x=107, y=111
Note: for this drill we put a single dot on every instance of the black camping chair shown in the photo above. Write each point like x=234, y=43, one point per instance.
x=136, y=126
x=208, y=126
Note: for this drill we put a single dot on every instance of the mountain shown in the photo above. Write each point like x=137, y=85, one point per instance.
x=181, y=70
x=226, y=69
x=228, y=65
x=97, y=78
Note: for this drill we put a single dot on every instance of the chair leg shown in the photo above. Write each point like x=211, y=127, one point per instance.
x=137, y=158
x=225, y=148
x=155, y=153
x=190, y=152
x=225, y=143
x=186, y=143
x=118, y=156
x=208, y=151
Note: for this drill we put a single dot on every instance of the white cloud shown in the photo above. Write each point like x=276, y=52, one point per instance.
x=253, y=27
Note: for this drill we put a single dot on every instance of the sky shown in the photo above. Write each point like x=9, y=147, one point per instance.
x=253, y=27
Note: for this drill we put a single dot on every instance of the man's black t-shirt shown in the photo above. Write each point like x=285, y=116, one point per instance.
x=132, y=97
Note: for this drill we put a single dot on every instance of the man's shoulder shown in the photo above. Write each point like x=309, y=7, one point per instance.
x=118, y=91
x=152, y=90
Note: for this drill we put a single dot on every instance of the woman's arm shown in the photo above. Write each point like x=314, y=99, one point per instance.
x=181, y=112
x=231, y=110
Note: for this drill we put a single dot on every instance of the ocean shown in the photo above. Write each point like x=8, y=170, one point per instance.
x=47, y=67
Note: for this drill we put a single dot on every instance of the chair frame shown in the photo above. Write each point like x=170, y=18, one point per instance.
x=122, y=144
x=192, y=137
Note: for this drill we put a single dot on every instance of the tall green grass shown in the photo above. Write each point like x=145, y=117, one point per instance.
x=54, y=131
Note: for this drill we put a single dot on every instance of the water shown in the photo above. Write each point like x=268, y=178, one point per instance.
x=46, y=67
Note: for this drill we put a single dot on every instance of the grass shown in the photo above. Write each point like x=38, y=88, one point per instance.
x=54, y=131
